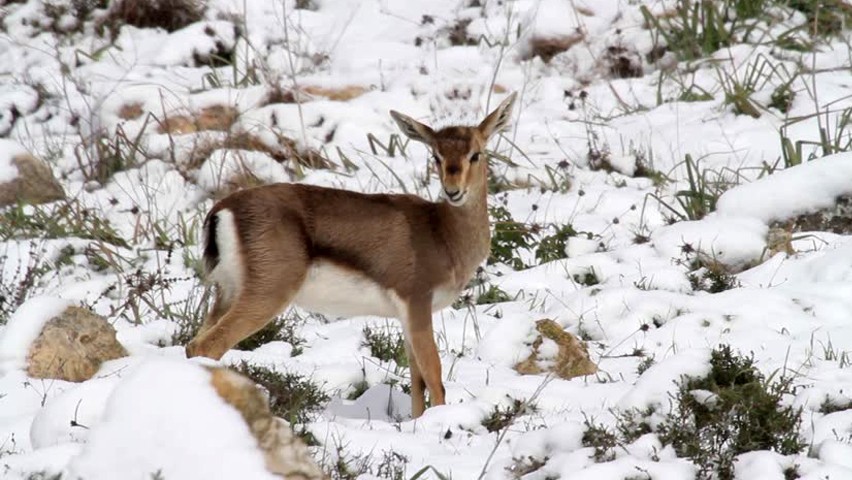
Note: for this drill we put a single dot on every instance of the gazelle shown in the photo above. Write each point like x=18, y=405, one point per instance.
x=344, y=253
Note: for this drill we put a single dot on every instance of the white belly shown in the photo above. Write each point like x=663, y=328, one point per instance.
x=332, y=290
x=443, y=297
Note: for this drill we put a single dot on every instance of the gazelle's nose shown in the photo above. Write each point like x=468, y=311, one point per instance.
x=454, y=194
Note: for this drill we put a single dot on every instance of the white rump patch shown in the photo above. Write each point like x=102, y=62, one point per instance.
x=228, y=273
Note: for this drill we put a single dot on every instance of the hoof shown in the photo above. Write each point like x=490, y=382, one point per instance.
x=192, y=349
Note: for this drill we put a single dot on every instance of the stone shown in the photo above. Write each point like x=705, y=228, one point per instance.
x=285, y=454
x=72, y=346
x=214, y=118
x=34, y=183
x=572, y=359
x=339, y=94
x=550, y=46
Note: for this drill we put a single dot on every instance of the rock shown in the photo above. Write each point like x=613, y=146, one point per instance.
x=571, y=360
x=214, y=118
x=339, y=94
x=33, y=183
x=285, y=454
x=130, y=111
x=72, y=346
x=547, y=47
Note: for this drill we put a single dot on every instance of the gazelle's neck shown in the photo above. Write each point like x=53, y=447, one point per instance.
x=467, y=231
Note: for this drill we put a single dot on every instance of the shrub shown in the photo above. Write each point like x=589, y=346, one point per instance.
x=601, y=439
x=291, y=396
x=508, y=237
x=552, y=247
x=707, y=274
x=743, y=415
x=170, y=15
x=502, y=417
x=280, y=329
x=494, y=294
x=386, y=345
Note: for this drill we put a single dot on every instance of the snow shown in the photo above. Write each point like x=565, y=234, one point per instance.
x=158, y=419
x=805, y=188
x=24, y=327
x=624, y=287
x=9, y=150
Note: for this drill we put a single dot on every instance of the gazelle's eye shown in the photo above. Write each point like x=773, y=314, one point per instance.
x=474, y=157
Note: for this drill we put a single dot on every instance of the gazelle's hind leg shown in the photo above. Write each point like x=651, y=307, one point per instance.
x=248, y=314
x=418, y=386
x=220, y=306
x=426, y=357
x=273, y=277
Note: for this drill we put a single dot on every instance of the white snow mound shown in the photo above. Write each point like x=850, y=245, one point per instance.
x=167, y=419
x=797, y=190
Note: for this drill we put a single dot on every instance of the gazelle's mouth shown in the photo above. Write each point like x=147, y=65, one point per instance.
x=456, y=198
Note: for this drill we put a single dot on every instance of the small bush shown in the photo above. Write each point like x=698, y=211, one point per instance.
x=280, y=329
x=588, y=279
x=743, y=415
x=552, y=247
x=169, y=15
x=782, y=98
x=494, y=294
x=831, y=406
x=509, y=236
x=732, y=410
x=502, y=417
x=601, y=439
x=644, y=365
x=291, y=396
x=386, y=345
x=708, y=275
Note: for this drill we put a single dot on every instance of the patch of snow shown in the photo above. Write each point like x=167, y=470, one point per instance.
x=8, y=150
x=380, y=402
x=805, y=188
x=158, y=420
x=23, y=328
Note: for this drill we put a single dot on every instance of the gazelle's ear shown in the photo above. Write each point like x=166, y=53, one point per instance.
x=499, y=118
x=413, y=129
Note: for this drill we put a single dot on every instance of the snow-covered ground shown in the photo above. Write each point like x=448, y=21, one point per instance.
x=60, y=89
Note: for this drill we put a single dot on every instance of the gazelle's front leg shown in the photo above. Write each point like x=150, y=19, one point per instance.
x=425, y=358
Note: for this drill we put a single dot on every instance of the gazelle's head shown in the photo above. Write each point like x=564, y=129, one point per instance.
x=459, y=152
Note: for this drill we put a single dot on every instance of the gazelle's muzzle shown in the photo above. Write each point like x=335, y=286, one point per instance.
x=456, y=197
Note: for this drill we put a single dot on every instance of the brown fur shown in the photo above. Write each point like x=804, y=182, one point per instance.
x=405, y=244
